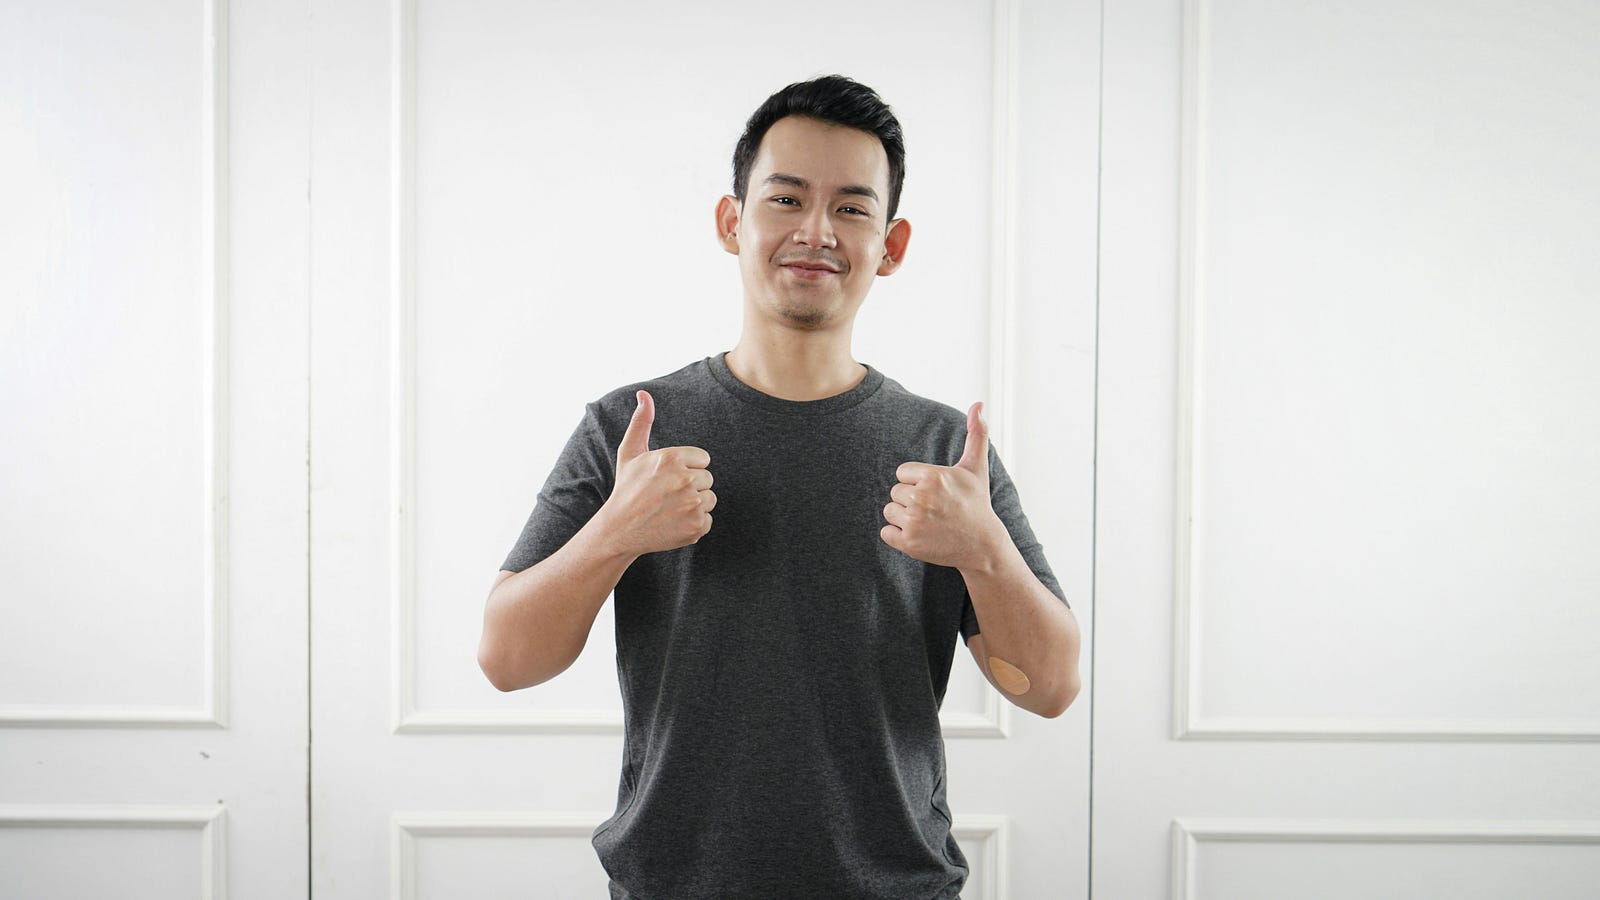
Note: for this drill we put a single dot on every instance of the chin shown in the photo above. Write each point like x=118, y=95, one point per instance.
x=804, y=318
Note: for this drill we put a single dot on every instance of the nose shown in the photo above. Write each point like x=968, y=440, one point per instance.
x=816, y=228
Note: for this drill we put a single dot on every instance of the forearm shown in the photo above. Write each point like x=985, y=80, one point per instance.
x=1024, y=624
x=537, y=621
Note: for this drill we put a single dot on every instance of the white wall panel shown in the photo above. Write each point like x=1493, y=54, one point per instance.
x=513, y=855
x=65, y=853
x=113, y=465
x=1345, y=464
x=1389, y=458
x=153, y=481
x=500, y=306
x=513, y=216
x=496, y=856
x=1386, y=861
x=986, y=843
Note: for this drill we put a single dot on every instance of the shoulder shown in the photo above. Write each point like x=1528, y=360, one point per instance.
x=935, y=428
x=899, y=402
x=614, y=408
x=680, y=396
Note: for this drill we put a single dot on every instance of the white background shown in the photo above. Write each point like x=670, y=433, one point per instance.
x=1283, y=317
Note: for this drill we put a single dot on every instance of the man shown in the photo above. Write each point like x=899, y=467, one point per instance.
x=782, y=665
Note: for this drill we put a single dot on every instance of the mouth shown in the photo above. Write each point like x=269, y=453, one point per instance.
x=809, y=270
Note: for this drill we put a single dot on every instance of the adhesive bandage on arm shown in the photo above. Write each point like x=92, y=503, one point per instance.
x=1011, y=679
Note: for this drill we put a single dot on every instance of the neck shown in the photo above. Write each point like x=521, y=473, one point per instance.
x=809, y=366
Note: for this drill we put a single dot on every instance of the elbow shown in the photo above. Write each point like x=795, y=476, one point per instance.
x=510, y=670
x=1071, y=682
x=1063, y=700
x=493, y=674
x=494, y=669
x=497, y=659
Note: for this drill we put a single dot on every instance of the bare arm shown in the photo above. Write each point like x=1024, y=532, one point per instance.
x=537, y=621
x=1029, y=645
x=944, y=515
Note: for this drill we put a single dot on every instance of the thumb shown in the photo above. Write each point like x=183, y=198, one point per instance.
x=636, y=441
x=975, y=456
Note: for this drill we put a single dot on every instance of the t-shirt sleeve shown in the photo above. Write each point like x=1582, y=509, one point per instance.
x=1008, y=506
x=577, y=486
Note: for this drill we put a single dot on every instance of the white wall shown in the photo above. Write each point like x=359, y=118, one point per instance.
x=1347, y=485
x=153, y=501
x=1286, y=332
x=513, y=216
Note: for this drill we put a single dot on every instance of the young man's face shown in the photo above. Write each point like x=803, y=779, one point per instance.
x=811, y=233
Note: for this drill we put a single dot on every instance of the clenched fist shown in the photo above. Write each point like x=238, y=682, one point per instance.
x=662, y=499
x=942, y=514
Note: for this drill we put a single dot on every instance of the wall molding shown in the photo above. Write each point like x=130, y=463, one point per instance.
x=403, y=374
x=1188, y=834
x=529, y=721
x=1281, y=728
x=407, y=827
x=993, y=834
x=212, y=280
x=1002, y=388
x=121, y=717
x=992, y=721
x=210, y=821
x=1189, y=722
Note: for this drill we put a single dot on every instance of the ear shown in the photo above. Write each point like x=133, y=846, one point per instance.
x=894, y=246
x=728, y=223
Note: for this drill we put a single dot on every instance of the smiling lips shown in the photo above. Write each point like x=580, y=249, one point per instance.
x=810, y=269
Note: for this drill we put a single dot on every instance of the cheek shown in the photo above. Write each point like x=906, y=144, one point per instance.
x=755, y=248
x=868, y=254
x=764, y=243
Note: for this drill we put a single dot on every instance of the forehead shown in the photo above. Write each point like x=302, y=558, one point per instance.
x=822, y=153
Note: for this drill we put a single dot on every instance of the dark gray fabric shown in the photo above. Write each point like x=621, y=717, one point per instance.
x=781, y=679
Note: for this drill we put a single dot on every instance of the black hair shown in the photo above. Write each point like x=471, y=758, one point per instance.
x=836, y=100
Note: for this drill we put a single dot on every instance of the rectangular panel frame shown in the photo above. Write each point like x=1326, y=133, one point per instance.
x=213, y=283
x=1187, y=834
x=993, y=721
x=992, y=833
x=211, y=822
x=1188, y=721
x=406, y=827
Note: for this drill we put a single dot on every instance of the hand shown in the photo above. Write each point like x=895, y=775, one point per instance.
x=662, y=499
x=941, y=514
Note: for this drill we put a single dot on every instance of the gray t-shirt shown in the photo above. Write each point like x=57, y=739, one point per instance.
x=781, y=678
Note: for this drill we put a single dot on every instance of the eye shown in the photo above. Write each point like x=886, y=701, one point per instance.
x=786, y=200
x=852, y=210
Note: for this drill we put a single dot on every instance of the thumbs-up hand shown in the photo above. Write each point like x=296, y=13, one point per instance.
x=941, y=514
x=662, y=499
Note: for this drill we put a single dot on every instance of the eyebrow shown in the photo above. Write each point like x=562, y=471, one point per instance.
x=859, y=190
